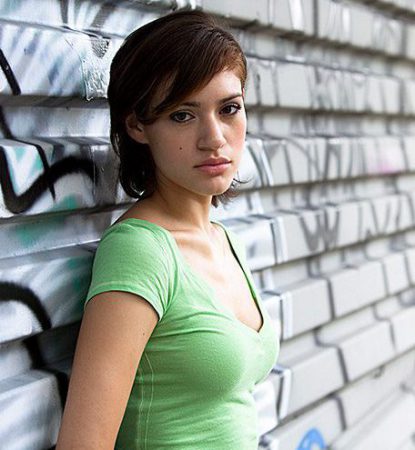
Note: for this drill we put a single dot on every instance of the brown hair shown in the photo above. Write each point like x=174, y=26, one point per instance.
x=186, y=49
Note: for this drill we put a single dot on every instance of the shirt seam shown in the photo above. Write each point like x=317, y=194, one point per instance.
x=150, y=402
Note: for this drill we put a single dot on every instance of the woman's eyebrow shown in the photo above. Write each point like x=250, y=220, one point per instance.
x=220, y=102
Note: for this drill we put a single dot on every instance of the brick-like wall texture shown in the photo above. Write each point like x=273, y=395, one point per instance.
x=328, y=214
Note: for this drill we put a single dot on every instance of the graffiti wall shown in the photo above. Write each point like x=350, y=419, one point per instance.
x=328, y=214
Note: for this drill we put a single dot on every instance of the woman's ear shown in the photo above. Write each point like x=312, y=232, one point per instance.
x=135, y=129
x=243, y=93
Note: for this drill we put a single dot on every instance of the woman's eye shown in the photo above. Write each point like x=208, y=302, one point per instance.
x=183, y=116
x=231, y=109
x=180, y=116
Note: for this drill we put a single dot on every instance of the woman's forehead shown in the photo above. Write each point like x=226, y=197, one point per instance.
x=220, y=85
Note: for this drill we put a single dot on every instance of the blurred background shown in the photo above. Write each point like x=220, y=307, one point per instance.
x=327, y=217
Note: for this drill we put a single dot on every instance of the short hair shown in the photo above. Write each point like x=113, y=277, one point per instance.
x=184, y=48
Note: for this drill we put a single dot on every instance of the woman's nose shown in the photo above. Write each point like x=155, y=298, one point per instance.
x=211, y=135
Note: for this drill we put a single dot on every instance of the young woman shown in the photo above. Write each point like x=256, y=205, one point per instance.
x=174, y=336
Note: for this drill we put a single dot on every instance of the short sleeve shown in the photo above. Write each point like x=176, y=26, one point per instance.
x=134, y=259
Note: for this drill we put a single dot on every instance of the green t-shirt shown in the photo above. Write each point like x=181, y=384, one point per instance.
x=193, y=387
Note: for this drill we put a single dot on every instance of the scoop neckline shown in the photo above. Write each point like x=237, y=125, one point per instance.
x=201, y=280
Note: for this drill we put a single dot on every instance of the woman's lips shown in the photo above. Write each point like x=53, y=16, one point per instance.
x=214, y=169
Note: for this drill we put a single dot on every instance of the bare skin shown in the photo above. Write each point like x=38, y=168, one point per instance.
x=114, y=331
x=116, y=326
x=212, y=259
x=203, y=126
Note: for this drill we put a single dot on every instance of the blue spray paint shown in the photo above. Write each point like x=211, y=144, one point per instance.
x=312, y=440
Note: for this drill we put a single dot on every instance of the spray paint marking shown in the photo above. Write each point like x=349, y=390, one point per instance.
x=312, y=438
x=8, y=73
x=20, y=203
x=12, y=291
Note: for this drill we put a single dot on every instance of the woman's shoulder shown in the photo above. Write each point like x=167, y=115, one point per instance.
x=230, y=235
x=134, y=224
x=133, y=256
x=142, y=216
x=135, y=232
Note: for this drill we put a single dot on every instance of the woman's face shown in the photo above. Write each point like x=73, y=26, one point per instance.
x=210, y=123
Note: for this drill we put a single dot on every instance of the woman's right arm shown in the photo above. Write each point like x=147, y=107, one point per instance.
x=115, y=329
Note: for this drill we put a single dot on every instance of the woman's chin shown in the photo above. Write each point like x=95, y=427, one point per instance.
x=222, y=189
